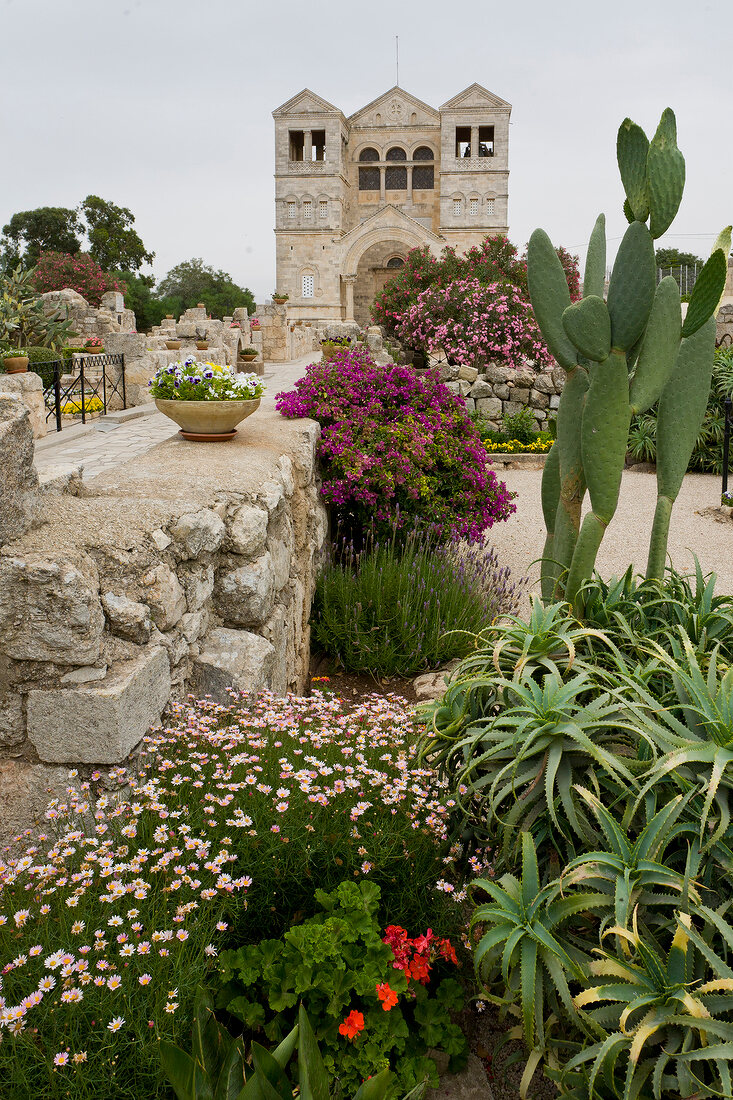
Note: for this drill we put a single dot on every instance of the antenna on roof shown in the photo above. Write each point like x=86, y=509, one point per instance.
x=397, y=57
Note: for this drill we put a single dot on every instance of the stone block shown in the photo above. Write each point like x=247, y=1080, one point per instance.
x=489, y=406
x=247, y=595
x=511, y=408
x=281, y=544
x=497, y=373
x=503, y=391
x=481, y=389
x=232, y=659
x=544, y=383
x=558, y=377
x=61, y=477
x=19, y=498
x=50, y=609
x=25, y=791
x=524, y=378
x=28, y=388
x=101, y=723
x=198, y=582
x=470, y=404
x=539, y=400
x=468, y=374
x=87, y=674
x=164, y=596
x=520, y=395
x=248, y=531
x=555, y=401
x=12, y=721
x=197, y=532
x=127, y=619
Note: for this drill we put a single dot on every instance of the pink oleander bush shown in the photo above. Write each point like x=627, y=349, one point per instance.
x=474, y=324
x=397, y=450
x=79, y=272
x=495, y=264
x=234, y=816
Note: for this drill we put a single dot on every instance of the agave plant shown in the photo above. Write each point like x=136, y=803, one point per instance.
x=524, y=946
x=634, y=873
x=668, y=1019
x=524, y=762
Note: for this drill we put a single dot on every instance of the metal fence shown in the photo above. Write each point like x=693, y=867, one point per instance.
x=685, y=275
x=82, y=386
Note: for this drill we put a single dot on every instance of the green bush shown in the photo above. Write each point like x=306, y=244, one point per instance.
x=365, y=990
x=596, y=759
x=395, y=610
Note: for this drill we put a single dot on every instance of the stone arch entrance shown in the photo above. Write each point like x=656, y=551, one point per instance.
x=364, y=267
x=376, y=266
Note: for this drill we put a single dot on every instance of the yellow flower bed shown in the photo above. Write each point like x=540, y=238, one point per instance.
x=91, y=404
x=514, y=446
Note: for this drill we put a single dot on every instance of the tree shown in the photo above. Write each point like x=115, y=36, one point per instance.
x=193, y=281
x=112, y=242
x=672, y=257
x=31, y=232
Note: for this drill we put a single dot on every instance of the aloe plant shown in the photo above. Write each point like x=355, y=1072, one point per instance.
x=622, y=356
x=216, y=1068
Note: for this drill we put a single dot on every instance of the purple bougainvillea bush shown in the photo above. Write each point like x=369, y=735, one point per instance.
x=397, y=450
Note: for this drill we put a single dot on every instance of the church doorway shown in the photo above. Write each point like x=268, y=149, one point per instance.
x=379, y=263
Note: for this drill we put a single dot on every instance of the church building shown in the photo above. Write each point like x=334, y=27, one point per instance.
x=354, y=195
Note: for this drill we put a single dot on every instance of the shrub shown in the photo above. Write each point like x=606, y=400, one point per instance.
x=494, y=261
x=59, y=270
x=394, y=611
x=519, y=425
x=115, y=912
x=367, y=993
x=397, y=448
x=474, y=324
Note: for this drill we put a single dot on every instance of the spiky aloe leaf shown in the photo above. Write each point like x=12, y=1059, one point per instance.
x=549, y=294
x=632, y=147
x=588, y=326
x=665, y=168
x=706, y=293
x=660, y=347
x=594, y=277
x=632, y=285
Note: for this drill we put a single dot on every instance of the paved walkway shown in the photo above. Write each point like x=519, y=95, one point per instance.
x=103, y=444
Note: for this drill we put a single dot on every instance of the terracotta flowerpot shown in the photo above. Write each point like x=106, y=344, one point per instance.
x=279, y=301
x=248, y=358
x=16, y=364
x=173, y=345
x=202, y=345
x=94, y=351
x=207, y=421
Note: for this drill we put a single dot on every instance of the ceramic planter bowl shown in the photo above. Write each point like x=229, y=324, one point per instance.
x=216, y=420
x=16, y=364
x=173, y=345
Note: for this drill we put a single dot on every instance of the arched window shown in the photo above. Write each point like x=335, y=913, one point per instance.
x=395, y=179
x=368, y=154
x=368, y=179
x=396, y=261
x=423, y=153
x=395, y=153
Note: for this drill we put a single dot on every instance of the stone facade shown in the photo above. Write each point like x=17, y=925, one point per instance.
x=354, y=195
x=191, y=568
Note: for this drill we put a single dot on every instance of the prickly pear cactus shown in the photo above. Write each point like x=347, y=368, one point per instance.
x=622, y=355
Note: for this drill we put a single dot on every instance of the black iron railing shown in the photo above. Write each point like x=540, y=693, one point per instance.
x=86, y=384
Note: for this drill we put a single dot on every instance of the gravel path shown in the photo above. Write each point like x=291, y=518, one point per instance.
x=696, y=527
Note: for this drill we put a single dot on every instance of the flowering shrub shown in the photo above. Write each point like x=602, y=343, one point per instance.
x=495, y=260
x=194, y=381
x=365, y=993
x=396, y=448
x=59, y=270
x=474, y=324
x=113, y=914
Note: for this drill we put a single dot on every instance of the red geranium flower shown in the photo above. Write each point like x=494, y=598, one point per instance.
x=352, y=1025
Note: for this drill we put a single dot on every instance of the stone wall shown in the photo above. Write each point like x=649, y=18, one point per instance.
x=191, y=568
x=497, y=391
x=87, y=320
x=724, y=333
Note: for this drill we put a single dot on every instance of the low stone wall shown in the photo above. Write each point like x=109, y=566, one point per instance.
x=497, y=391
x=724, y=332
x=191, y=568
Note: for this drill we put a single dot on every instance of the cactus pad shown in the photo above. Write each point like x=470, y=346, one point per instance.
x=549, y=294
x=589, y=327
x=632, y=146
x=631, y=290
x=665, y=168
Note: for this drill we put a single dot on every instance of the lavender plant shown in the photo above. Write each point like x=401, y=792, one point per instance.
x=395, y=611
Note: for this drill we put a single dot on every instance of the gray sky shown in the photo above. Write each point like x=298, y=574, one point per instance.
x=164, y=106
